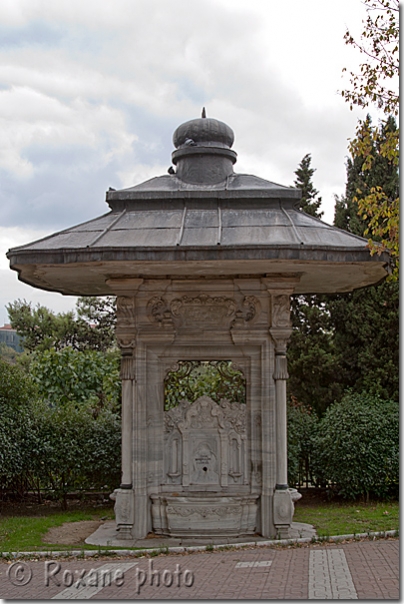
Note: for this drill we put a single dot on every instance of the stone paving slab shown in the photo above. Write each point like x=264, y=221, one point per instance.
x=367, y=569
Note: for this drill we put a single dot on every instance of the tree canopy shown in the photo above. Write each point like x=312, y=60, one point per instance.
x=377, y=81
x=42, y=329
x=377, y=84
x=310, y=202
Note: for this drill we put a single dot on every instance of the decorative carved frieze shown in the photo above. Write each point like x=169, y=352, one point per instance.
x=248, y=313
x=203, y=310
x=203, y=511
x=204, y=412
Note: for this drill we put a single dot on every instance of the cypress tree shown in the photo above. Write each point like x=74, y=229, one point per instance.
x=310, y=202
x=366, y=322
x=312, y=364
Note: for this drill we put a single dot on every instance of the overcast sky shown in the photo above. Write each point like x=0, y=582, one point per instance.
x=92, y=90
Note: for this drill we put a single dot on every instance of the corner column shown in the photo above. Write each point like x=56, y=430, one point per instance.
x=126, y=336
x=280, y=332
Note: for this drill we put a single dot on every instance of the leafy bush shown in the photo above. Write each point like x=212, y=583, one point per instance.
x=302, y=430
x=357, y=447
x=54, y=447
x=18, y=436
x=67, y=375
x=78, y=451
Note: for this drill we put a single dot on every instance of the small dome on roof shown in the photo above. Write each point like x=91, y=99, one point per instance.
x=204, y=131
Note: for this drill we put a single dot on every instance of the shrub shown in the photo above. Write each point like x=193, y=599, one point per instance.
x=78, y=451
x=302, y=429
x=45, y=446
x=18, y=437
x=71, y=376
x=357, y=447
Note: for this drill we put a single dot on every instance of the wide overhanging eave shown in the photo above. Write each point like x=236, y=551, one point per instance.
x=181, y=253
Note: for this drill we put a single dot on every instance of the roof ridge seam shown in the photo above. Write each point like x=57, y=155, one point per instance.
x=182, y=226
x=108, y=228
x=299, y=239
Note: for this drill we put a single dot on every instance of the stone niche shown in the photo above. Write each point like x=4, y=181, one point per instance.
x=205, y=462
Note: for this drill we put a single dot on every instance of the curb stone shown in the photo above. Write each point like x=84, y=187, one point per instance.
x=197, y=548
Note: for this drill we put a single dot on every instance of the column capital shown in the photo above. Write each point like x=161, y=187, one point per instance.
x=127, y=367
x=281, y=367
x=280, y=336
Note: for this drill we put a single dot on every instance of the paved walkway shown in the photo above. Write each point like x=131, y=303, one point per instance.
x=352, y=570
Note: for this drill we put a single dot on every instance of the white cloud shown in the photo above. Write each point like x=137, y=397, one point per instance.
x=90, y=93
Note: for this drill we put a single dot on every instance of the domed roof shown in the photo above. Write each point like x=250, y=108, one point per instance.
x=204, y=131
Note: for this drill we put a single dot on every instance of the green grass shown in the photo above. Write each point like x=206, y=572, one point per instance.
x=25, y=533
x=346, y=518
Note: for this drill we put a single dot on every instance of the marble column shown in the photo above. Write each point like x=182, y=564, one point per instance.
x=280, y=331
x=280, y=376
x=124, y=496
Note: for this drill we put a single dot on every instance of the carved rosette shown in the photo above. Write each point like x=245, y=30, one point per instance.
x=159, y=311
x=192, y=311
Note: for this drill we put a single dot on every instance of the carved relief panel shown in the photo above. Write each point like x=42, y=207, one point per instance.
x=205, y=444
x=188, y=312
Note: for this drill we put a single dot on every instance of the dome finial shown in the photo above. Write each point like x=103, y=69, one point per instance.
x=203, y=112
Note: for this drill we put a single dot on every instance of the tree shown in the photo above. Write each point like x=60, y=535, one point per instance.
x=377, y=84
x=310, y=202
x=378, y=171
x=77, y=377
x=41, y=329
x=311, y=360
x=313, y=364
x=366, y=321
x=376, y=194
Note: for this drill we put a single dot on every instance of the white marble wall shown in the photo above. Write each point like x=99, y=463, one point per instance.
x=163, y=321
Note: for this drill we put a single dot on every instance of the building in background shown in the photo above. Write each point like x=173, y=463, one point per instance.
x=9, y=336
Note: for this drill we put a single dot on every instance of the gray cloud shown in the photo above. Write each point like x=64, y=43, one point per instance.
x=91, y=92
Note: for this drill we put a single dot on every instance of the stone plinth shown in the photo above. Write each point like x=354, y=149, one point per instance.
x=204, y=515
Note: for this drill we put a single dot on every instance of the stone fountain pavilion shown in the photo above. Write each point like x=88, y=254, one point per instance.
x=203, y=262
